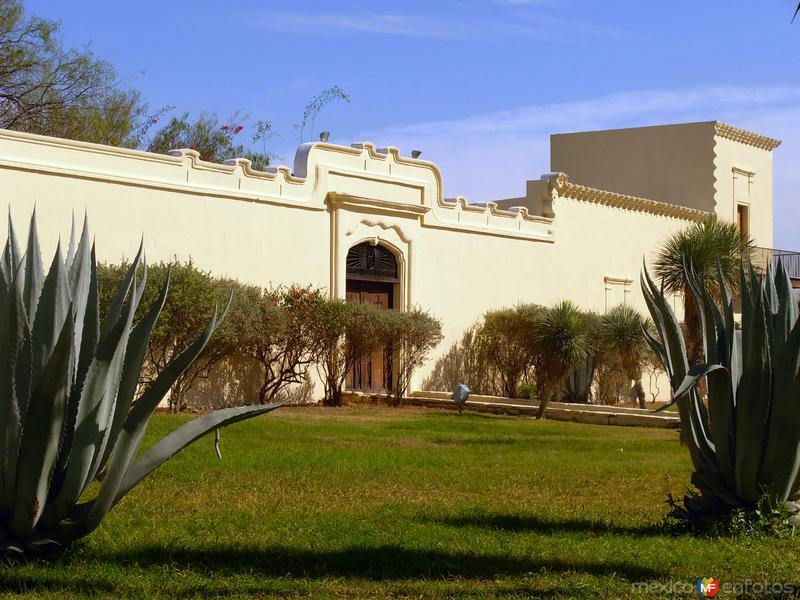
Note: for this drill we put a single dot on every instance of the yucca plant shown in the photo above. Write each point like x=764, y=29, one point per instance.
x=561, y=343
x=621, y=336
x=702, y=246
x=745, y=444
x=67, y=412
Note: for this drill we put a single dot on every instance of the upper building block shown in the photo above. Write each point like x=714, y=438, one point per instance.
x=709, y=166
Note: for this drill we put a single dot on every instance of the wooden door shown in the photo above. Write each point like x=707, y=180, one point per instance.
x=370, y=372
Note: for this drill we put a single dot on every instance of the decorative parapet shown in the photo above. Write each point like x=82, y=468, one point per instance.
x=745, y=137
x=561, y=185
x=515, y=222
x=323, y=174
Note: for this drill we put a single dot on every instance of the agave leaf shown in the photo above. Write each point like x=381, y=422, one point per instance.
x=80, y=279
x=71, y=247
x=781, y=463
x=130, y=437
x=41, y=436
x=134, y=358
x=90, y=333
x=95, y=408
x=115, y=309
x=669, y=330
x=11, y=258
x=13, y=332
x=182, y=437
x=49, y=321
x=693, y=377
x=721, y=409
x=34, y=271
x=706, y=319
x=786, y=315
x=753, y=397
x=109, y=403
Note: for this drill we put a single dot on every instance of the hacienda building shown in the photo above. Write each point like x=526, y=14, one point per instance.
x=372, y=223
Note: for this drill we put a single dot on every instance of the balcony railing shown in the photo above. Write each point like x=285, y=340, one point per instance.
x=762, y=257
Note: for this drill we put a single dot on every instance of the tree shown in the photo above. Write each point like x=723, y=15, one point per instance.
x=49, y=90
x=622, y=337
x=506, y=338
x=411, y=335
x=561, y=343
x=279, y=329
x=193, y=297
x=346, y=331
x=214, y=140
x=699, y=248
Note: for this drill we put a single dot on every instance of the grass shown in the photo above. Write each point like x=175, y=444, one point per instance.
x=380, y=502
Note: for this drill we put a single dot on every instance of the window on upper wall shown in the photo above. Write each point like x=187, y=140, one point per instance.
x=618, y=290
x=743, y=219
x=742, y=196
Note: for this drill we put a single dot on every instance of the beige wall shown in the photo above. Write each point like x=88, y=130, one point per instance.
x=670, y=163
x=457, y=260
x=744, y=176
x=709, y=166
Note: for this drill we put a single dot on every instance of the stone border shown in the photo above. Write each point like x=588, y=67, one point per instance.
x=574, y=413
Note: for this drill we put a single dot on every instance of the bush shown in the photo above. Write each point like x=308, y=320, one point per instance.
x=194, y=294
x=278, y=328
x=346, y=331
x=465, y=363
x=411, y=335
x=507, y=339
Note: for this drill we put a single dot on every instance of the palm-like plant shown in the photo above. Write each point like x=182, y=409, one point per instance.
x=700, y=247
x=622, y=337
x=746, y=444
x=561, y=344
x=67, y=385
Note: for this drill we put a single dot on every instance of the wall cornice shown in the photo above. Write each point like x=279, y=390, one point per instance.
x=745, y=137
x=561, y=185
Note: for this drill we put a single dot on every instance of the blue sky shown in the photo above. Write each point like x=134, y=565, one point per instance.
x=477, y=85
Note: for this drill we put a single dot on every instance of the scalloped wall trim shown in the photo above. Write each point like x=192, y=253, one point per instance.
x=586, y=194
x=745, y=137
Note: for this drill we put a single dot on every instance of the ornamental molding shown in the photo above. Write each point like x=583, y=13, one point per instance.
x=560, y=184
x=384, y=226
x=745, y=137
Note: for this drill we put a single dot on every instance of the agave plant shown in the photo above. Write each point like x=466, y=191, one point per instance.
x=67, y=412
x=745, y=444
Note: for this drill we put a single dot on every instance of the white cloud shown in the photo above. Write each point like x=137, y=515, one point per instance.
x=528, y=25
x=295, y=22
x=527, y=2
x=489, y=156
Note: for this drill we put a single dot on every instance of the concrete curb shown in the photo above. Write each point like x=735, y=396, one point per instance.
x=590, y=414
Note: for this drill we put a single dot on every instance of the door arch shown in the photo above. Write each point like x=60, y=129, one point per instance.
x=372, y=274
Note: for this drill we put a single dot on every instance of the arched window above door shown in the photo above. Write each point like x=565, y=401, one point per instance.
x=371, y=263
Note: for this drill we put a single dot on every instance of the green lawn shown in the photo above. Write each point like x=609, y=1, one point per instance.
x=404, y=503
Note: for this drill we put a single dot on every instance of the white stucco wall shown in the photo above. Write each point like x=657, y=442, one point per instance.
x=286, y=226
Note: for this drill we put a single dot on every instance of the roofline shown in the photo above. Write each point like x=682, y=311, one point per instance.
x=564, y=187
x=745, y=137
x=721, y=129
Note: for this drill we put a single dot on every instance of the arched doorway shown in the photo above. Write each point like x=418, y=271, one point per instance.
x=372, y=275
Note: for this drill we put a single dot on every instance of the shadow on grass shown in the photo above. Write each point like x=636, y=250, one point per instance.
x=534, y=524
x=229, y=569
x=386, y=562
